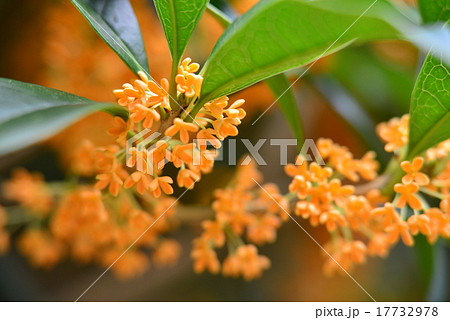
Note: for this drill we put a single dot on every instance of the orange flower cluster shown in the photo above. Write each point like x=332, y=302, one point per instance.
x=30, y=191
x=351, y=217
x=148, y=105
x=241, y=210
x=82, y=224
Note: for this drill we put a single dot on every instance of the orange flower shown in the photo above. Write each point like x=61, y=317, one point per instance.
x=213, y=231
x=299, y=168
x=187, y=178
x=183, y=128
x=141, y=113
x=226, y=127
x=399, y=229
x=166, y=253
x=158, y=154
x=263, y=229
x=138, y=158
x=120, y=130
x=332, y=218
x=40, y=248
x=161, y=183
x=234, y=111
x=439, y=224
x=132, y=264
x=142, y=181
x=114, y=179
x=190, y=84
x=419, y=223
x=300, y=186
x=183, y=154
x=29, y=190
x=379, y=245
x=440, y=151
x=356, y=251
x=160, y=93
x=413, y=173
x=394, y=132
x=187, y=67
x=407, y=195
x=308, y=210
x=207, y=135
x=388, y=213
x=246, y=262
x=367, y=167
x=217, y=106
x=204, y=257
x=319, y=174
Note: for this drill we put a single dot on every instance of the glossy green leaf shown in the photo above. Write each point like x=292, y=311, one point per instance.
x=179, y=19
x=280, y=86
x=430, y=104
x=30, y=113
x=430, y=107
x=116, y=24
x=278, y=35
x=434, y=10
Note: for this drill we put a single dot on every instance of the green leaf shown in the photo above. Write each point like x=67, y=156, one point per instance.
x=30, y=113
x=434, y=10
x=116, y=24
x=179, y=19
x=430, y=104
x=278, y=84
x=281, y=88
x=430, y=107
x=278, y=35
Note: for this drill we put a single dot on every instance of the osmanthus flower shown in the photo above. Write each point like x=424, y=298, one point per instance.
x=323, y=199
x=245, y=262
x=182, y=128
x=394, y=133
x=408, y=195
x=29, y=190
x=148, y=107
x=242, y=210
x=166, y=253
x=131, y=264
x=413, y=173
x=40, y=248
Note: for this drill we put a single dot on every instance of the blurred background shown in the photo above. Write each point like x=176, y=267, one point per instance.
x=342, y=97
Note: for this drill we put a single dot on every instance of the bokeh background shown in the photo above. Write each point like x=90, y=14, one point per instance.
x=342, y=97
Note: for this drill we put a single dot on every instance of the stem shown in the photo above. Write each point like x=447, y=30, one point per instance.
x=173, y=86
x=220, y=16
x=432, y=193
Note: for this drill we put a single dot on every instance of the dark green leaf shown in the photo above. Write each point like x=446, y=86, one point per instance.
x=278, y=35
x=179, y=19
x=434, y=10
x=30, y=113
x=116, y=24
